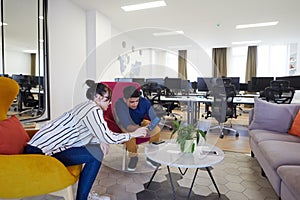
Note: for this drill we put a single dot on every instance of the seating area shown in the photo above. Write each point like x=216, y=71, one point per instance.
x=275, y=143
x=230, y=69
x=21, y=174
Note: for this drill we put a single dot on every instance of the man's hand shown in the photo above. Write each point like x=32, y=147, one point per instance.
x=104, y=147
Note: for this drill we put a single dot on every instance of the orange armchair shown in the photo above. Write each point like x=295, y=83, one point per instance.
x=24, y=175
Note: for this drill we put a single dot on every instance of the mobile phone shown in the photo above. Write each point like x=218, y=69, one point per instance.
x=210, y=152
x=154, y=123
x=158, y=142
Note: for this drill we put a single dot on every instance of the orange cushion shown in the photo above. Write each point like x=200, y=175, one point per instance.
x=13, y=137
x=295, y=128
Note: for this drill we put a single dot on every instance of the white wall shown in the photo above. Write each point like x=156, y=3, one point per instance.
x=17, y=63
x=67, y=50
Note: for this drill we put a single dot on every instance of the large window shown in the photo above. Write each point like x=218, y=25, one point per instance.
x=237, y=62
x=272, y=60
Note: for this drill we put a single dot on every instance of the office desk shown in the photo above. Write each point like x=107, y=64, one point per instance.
x=193, y=104
x=243, y=100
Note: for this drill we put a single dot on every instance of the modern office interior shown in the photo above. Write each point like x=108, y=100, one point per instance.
x=51, y=47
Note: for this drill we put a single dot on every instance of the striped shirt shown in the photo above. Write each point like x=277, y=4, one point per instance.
x=82, y=125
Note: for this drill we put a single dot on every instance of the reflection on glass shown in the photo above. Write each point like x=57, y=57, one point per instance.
x=24, y=58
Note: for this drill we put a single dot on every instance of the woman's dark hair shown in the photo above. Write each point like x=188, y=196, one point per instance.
x=96, y=88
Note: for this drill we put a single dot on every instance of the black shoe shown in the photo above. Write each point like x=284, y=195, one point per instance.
x=153, y=164
x=132, y=164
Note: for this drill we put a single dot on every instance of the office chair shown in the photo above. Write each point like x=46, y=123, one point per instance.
x=153, y=93
x=25, y=99
x=223, y=107
x=29, y=102
x=279, y=92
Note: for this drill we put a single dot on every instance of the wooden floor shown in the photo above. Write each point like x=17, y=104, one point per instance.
x=230, y=142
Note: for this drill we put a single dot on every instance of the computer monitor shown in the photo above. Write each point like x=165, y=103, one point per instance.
x=236, y=82
x=243, y=86
x=159, y=81
x=123, y=79
x=260, y=83
x=173, y=83
x=140, y=81
x=21, y=79
x=202, y=84
x=186, y=85
x=249, y=86
x=294, y=81
x=4, y=75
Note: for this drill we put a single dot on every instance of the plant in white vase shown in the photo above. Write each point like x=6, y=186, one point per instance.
x=186, y=135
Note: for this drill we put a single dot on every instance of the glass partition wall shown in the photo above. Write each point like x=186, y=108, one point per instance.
x=24, y=56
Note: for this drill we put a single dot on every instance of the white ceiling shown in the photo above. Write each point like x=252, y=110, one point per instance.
x=211, y=23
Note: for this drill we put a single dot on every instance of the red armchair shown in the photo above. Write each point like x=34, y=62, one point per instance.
x=117, y=92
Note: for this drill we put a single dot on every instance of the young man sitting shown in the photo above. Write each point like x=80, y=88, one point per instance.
x=130, y=111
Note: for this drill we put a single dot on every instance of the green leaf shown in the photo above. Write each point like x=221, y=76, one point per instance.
x=193, y=147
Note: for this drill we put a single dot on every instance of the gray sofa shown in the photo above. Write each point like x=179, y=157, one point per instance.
x=277, y=152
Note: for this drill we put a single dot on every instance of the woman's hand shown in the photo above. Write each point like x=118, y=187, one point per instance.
x=140, y=132
x=104, y=147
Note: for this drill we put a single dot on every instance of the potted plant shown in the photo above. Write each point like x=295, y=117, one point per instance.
x=186, y=135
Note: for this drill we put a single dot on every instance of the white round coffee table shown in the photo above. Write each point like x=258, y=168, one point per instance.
x=169, y=154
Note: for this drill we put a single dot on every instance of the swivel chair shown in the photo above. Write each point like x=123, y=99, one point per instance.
x=223, y=107
x=279, y=92
x=153, y=92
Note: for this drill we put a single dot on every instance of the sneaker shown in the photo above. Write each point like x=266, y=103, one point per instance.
x=132, y=164
x=153, y=164
x=94, y=196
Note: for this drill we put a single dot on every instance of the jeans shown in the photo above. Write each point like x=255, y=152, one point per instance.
x=90, y=155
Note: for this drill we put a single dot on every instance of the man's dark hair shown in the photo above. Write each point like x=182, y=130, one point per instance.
x=131, y=91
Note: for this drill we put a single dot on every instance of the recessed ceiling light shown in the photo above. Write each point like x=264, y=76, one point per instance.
x=30, y=51
x=4, y=24
x=256, y=25
x=141, y=6
x=246, y=42
x=168, y=33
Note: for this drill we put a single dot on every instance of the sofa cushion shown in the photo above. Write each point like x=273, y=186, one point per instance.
x=295, y=128
x=258, y=135
x=290, y=175
x=13, y=137
x=280, y=153
x=273, y=117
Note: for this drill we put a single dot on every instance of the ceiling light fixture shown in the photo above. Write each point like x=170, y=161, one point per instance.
x=256, y=25
x=246, y=42
x=4, y=24
x=31, y=51
x=168, y=33
x=141, y=6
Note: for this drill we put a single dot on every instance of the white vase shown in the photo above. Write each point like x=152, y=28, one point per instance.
x=188, y=146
